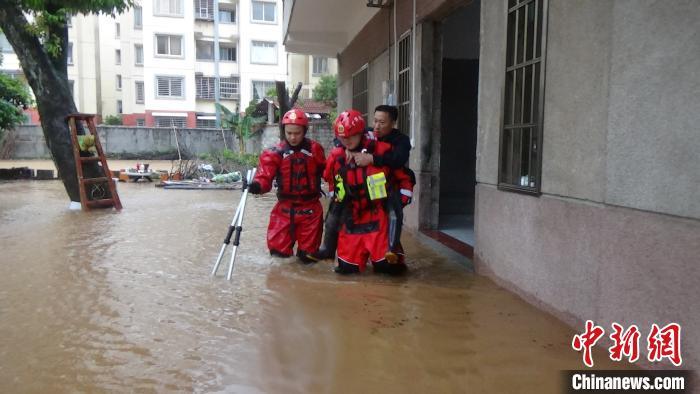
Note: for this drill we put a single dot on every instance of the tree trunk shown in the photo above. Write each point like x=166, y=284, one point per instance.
x=47, y=77
x=284, y=102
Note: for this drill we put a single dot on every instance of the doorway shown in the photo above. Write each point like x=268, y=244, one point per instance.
x=458, y=131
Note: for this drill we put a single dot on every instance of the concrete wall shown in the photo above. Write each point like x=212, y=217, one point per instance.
x=593, y=261
x=29, y=141
x=615, y=235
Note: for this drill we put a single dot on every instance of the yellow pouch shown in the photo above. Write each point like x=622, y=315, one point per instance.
x=339, y=188
x=376, y=184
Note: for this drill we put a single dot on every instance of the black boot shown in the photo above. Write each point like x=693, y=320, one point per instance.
x=330, y=234
x=279, y=254
x=304, y=257
x=384, y=267
x=344, y=268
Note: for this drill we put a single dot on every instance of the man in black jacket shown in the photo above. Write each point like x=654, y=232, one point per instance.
x=385, y=117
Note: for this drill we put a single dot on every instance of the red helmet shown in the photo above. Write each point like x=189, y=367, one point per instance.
x=295, y=116
x=349, y=123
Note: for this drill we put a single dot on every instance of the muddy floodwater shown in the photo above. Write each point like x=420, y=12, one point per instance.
x=111, y=301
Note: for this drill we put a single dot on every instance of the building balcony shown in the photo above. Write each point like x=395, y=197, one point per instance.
x=311, y=26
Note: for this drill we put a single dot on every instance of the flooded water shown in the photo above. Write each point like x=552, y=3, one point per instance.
x=123, y=302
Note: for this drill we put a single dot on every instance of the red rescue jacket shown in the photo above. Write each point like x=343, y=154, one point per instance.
x=355, y=178
x=296, y=169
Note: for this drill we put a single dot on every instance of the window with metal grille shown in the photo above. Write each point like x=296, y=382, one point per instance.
x=119, y=107
x=404, y=84
x=227, y=15
x=138, y=17
x=168, y=45
x=359, y=92
x=170, y=87
x=117, y=56
x=227, y=53
x=229, y=87
x=170, y=121
x=320, y=65
x=520, y=162
x=119, y=82
x=205, y=87
x=263, y=52
x=260, y=89
x=264, y=11
x=140, y=122
x=205, y=50
x=138, y=54
x=204, y=9
x=140, y=92
x=206, y=121
x=169, y=7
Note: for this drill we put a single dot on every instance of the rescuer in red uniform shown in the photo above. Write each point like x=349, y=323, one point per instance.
x=362, y=192
x=296, y=165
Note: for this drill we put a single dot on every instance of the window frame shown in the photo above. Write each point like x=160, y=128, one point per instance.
x=365, y=92
x=69, y=55
x=403, y=81
x=120, y=107
x=234, y=47
x=156, y=12
x=118, y=56
x=324, y=65
x=118, y=81
x=230, y=83
x=136, y=92
x=262, y=21
x=233, y=12
x=197, y=52
x=169, y=56
x=183, y=95
x=204, y=5
x=183, y=119
x=508, y=127
x=252, y=88
x=136, y=57
x=138, y=21
x=276, y=50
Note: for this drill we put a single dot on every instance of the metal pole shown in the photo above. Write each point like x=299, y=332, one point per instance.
x=217, y=89
x=227, y=240
x=239, y=228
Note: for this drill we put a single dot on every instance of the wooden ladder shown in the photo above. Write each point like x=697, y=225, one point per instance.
x=86, y=203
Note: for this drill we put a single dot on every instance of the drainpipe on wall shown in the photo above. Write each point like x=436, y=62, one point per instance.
x=98, y=68
x=413, y=75
x=395, y=71
x=217, y=89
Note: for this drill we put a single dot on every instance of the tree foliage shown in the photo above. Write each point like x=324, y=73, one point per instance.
x=327, y=90
x=240, y=124
x=38, y=33
x=14, y=97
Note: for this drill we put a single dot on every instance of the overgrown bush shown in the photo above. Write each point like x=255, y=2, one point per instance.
x=226, y=160
x=113, y=120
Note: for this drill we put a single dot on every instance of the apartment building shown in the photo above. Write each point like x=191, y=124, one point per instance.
x=308, y=69
x=155, y=65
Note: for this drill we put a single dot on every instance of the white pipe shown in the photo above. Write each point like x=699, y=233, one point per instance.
x=217, y=79
x=413, y=75
x=395, y=71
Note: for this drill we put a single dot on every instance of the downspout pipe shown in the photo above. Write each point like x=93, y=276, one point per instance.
x=217, y=80
x=413, y=75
